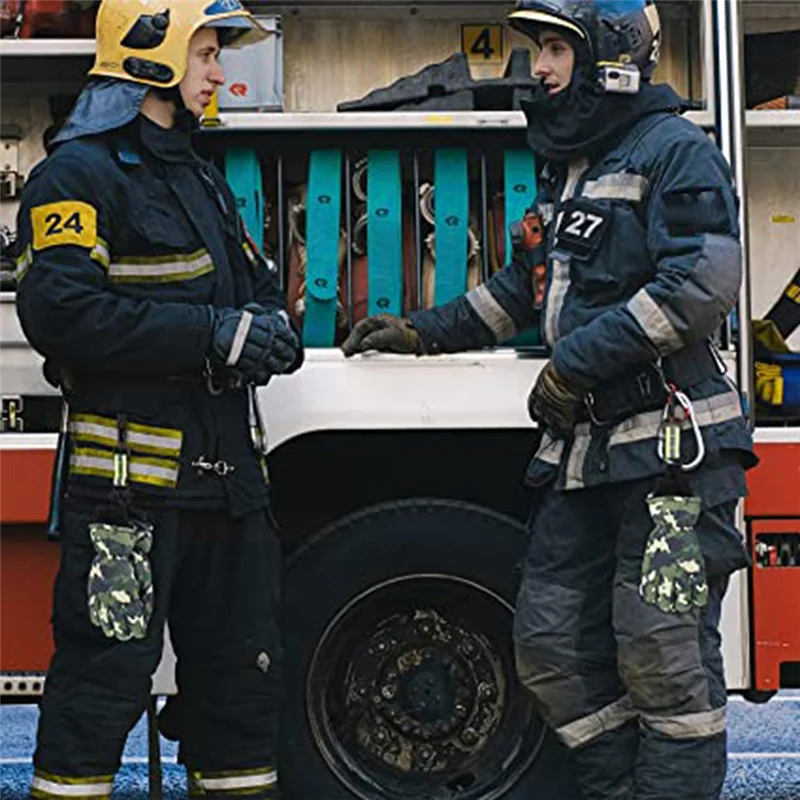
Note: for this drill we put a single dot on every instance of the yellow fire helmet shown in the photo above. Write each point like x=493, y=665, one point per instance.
x=147, y=41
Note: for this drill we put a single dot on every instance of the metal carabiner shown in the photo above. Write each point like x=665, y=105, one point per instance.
x=675, y=395
x=687, y=406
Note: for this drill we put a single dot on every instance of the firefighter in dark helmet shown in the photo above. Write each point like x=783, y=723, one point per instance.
x=633, y=537
x=158, y=316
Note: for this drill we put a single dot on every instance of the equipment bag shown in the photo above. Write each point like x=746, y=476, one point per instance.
x=777, y=372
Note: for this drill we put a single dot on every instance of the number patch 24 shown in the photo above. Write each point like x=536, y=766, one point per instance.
x=64, y=222
x=582, y=228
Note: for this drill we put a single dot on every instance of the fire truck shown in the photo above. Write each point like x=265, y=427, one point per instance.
x=397, y=480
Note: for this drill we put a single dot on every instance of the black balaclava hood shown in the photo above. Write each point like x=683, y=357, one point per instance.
x=583, y=118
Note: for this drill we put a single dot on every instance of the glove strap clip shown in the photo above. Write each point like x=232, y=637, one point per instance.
x=121, y=454
x=208, y=373
x=220, y=467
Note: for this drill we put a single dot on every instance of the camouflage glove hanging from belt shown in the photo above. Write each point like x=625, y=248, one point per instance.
x=120, y=580
x=673, y=570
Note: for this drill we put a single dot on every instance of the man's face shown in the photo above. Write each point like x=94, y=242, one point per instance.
x=555, y=62
x=204, y=74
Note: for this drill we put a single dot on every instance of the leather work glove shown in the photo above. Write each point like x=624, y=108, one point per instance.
x=385, y=333
x=253, y=342
x=554, y=400
x=673, y=570
x=120, y=585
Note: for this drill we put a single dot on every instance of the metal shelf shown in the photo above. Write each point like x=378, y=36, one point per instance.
x=381, y=120
x=39, y=48
x=387, y=120
x=773, y=128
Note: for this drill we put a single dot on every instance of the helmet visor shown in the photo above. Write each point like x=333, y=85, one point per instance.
x=532, y=21
x=238, y=31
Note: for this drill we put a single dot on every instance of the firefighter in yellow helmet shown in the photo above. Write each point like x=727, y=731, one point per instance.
x=158, y=317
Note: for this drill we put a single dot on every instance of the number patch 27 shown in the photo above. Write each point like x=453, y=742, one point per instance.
x=65, y=222
x=582, y=228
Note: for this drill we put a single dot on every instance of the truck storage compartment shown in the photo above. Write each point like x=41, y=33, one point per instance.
x=775, y=588
x=355, y=225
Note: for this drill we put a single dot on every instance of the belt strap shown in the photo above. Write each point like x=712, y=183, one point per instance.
x=519, y=194
x=451, y=210
x=644, y=390
x=243, y=173
x=384, y=240
x=323, y=213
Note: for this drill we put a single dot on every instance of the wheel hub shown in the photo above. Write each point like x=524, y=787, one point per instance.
x=411, y=694
x=424, y=693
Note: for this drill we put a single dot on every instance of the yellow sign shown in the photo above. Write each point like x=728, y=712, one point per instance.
x=210, y=118
x=64, y=222
x=483, y=44
x=785, y=218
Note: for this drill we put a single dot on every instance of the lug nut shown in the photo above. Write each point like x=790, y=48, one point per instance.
x=389, y=691
x=469, y=736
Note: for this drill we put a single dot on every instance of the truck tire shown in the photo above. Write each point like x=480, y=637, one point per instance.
x=399, y=670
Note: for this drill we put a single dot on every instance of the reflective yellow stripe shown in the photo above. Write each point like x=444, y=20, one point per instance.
x=248, y=251
x=23, y=262
x=141, y=469
x=47, y=785
x=233, y=782
x=101, y=253
x=141, y=438
x=161, y=269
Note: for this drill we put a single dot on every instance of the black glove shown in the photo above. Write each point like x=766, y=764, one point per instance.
x=385, y=333
x=554, y=400
x=253, y=343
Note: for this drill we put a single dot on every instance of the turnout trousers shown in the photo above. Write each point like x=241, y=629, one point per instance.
x=216, y=582
x=637, y=695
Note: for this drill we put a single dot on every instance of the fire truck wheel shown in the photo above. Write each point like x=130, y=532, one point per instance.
x=399, y=671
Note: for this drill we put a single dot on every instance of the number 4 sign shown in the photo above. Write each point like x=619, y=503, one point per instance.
x=483, y=44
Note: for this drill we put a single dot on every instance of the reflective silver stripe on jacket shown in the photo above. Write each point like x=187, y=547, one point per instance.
x=140, y=438
x=707, y=411
x=688, y=726
x=141, y=469
x=617, y=186
x=550, y=450
x=577, y=456
x=46, y=785
x=232, y=780
x=492, y=314
x=559, y=278
x=239, y=338
x=161, y=269
x=642, y=427
x=559, y=286
x=608, y=718
x=654, y=322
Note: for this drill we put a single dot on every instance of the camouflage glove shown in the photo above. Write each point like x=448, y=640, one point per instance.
x=673, y=570
x=385, y=333
x=554, y=401
x=120, y=580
